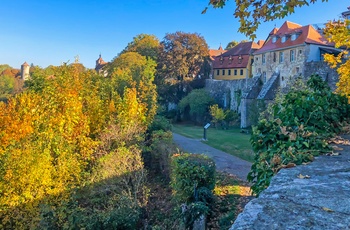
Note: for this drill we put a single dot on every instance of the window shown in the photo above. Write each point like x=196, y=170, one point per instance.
x=274, y=57
x=297, y=70
x=241, y=72
x=256, y=59
x=263, y=59
x=281, y=57
x=294, y=36
x=235, y=72
x=229, y=72
x=292, y=58
x=284, y=38
x=300, y=52
x=217, y=72
x=274, y=39
x=223, y=72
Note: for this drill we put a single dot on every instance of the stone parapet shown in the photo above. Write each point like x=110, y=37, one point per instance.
x=321, y=201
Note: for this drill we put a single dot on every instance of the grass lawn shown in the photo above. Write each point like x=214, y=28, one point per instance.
x=230, y=141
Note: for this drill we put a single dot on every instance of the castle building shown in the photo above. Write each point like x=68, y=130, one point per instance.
x=288, y=49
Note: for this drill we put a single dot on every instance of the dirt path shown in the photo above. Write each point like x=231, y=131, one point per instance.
x=224, y=161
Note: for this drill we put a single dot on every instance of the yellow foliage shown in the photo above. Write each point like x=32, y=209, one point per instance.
x=338, y=32
x=53, y=133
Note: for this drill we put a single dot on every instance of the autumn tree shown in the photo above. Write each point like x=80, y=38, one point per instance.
x=181, y=58
x=7, y=84
x=338, y=32
x=251, y=13
x=233, y=43
x=4, y=67
x=64, y=142
x=131, y=69
x=145, y=44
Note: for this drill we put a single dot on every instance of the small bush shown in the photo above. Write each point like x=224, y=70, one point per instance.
x=159, y=123
x=195, y=106
x=223, y=118
x=190, y=173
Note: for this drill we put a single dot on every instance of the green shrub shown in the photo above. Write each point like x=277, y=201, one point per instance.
x=190, y=173
x=159, y=123
x=218, y=115
x=195, y=106
x=159, y=152
x=297, y=130
x=223, y=118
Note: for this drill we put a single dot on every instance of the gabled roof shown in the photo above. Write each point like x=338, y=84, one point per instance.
x=25, y=64
x=100, y=61
x=214, y=53
x=274, y=31
x=305, y=34
x=237, y=57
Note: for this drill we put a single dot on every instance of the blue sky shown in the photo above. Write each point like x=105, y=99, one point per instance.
x=45, y=32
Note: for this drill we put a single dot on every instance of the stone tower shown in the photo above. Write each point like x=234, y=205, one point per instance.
x=25, y=71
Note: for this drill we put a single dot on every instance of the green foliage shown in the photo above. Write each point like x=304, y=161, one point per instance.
x=192, y=182
x=195, y=106
x=4, y=67
x=252, y=12
x=7, y=84
x=217, y=114
x=145, y=44
x=233, y=43
x=182, y=58
x=130, y=70
x=297, y=130
x=222, y=118
x=70, y=152
x=190, y=173
x=159, y=123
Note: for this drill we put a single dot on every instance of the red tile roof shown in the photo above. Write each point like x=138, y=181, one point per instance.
x=214, y=53
x=237, y=57
x=25, y=64
x=306, y=34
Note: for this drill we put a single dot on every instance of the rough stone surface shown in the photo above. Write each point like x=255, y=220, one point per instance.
x=270, y=88
x=320, y=202
x=321, y=68
x=238, y=94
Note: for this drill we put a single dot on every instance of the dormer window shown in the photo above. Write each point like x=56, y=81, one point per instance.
x=274, y=39
x=221, y=59
x=230, y=59
x=284, y=38
x=294, y=36
x=240, y=59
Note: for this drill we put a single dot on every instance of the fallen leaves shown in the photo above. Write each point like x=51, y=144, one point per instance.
x=334, y=147
x=339, y=140
x=327, y=209
x=301, y=176
x=333, y=154
x=289, y=165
